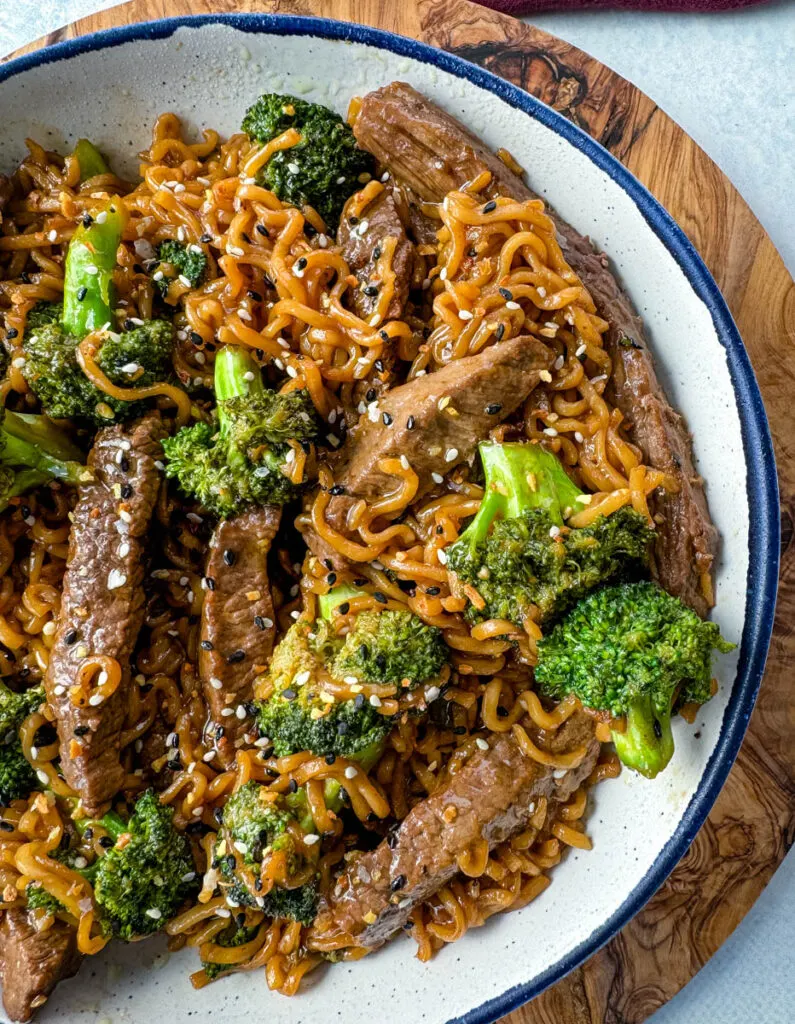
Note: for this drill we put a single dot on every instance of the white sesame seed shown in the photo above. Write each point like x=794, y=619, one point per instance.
x=341, y=180
x=546, y=376
x=292, y=372
x=464, y=314
x=240, y=847
x=558, y=364
x=404, y=462
x=116, y=579
x=431, y=693
x=554, y=531
x=223, y=912
x=351, y=772
x=481, y=744
x=437, y=478
x=59, y=690
x=227, y=712
x=512, y=305
x=181, y=233
x=179, y=187
x=581, y=351
x=451, y=455
x=310, y=839
x=154, y=913
x=91, y=269
x=188, y=876
x=184, y=280
x=52, y=236
x=240, y=712
x=197, y=812
x=302, y=677
x=375, y=700
x=578, y=437
x=158, y=275
x=443, y=274
x=244, y=315
x=322, y=241
x=559, y=773
x=18, y=363
x=159, y=465
x=48, y=628
x=34, y=753
x=42, y=776
x=101, y=217
x=209, y=756
x=550, y=432
x=584, y=499
x=235, y=250
x=95, y=700
x=442, y=556
x=80, y=863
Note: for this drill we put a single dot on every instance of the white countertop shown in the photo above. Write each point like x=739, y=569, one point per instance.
x=726, y=78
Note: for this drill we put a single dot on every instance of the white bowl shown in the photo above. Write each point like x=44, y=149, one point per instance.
x=110, y=87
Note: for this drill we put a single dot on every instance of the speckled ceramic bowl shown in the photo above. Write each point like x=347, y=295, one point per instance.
x=110, y=87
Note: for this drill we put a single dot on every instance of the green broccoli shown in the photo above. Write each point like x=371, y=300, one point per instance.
x=517, y=552
x=18, y=779
x=391, y=647
x=140, y=885
x=323, y=169
x=177, y=260
x=232, y=936
x=89, y=159
x=37, y=898
x=240, y=462
x=298, y=714
x=253, y=824
x=632, y=650
x=32, y=452
x=139, y=357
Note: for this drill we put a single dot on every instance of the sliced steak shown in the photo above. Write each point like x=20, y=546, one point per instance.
x=102, y=607
x=364, y=242
x=237, y=628
x=494, y=796
x=481, y=390
x=33, y=962
x=432, y=153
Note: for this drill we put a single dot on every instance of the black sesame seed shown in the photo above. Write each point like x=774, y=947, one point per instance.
x=499, y=333
x=174, y=764
x=11, y=333
x=380, y=597
x=196, y=828
x=235, y=657
x=289, y=694
x=88, y=220
x=124, y=464
x=262, y=230
x=379, y=365
x=380, y=662
x=196, y=338
x=353, y=220
x=342, y=727
x=433, y=591
x=81, y=730
x=127, y=491
x=105, y=842
x=146, y=688
x=128, y=324
x=507, y=294
x=173, y=740
x=383, y=335
x=387, y=419
x=371, y=290
x=344, y=608
x=218, y=814
x=301, y=263
x=206, y=645
x=229, y=557
x=371, y=395
x=70, y=638
x=490, y=206
x=6, y=826
x=231, y=861
x=259, y=622
x=377, y=253
x=309, y=230
x=331, y=579
x=258, y=883
x=292, y=786
x=361, y=582
x=331, y=758
x=398, y=883
x=206, y=238
x=410, y=423
x=460, y=730
x=440, y=530
x=336, y=490
x=138, y=268
x=245, y=238
x=254, y=296
x=209, y=582
x=328, y=563
x=493, y=409
x=358, y=702
x=502, y=712
x=392, y=837
x=81, y=293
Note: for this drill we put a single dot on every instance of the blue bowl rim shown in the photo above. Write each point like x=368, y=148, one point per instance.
x=761, y=480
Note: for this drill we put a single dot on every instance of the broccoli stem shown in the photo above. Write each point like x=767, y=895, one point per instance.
x=520, y=477
x=232, y=364
x=647, y=744
x=334, y=598
x=88, y=275
x=41, y=430
x=89, y=159
x=16, y=452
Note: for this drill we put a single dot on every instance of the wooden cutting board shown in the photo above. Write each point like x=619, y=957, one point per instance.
x=753, y=822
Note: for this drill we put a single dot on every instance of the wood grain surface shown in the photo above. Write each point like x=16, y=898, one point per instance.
x=751, y=826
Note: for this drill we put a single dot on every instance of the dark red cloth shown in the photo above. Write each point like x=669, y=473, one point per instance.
x=517, y=7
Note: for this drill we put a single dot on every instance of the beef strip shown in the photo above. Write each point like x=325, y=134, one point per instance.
x=381, y=221
x=494, y=796
x=482, y=390
x=237, y=628
x=33, y=962
x=432, y=153
x=102, y=607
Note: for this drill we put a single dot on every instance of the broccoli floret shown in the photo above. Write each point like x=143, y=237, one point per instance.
x=232, y=936
x=140, y=885
x=240, y=462
x=390, y=647
x=176, y=260
x=33, y=451
x=135, y=358
x=254, y=822
x=321, y=170
x=15, y=707
x=517, y=552
x=296, y=904
x=38, y=898
x=138, y=357
x=632, y=650
x=297, y=716
x=17, y=776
